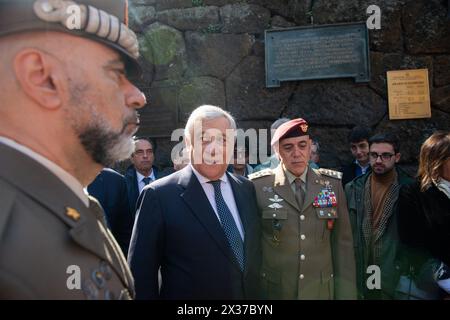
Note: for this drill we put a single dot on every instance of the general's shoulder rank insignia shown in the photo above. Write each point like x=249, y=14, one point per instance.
x=330, y=173
x=259, y=174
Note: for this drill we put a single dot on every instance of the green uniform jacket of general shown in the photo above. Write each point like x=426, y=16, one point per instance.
x=303, y=258
x=51, y=245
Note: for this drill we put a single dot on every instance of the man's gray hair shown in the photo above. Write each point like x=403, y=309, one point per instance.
x=206, y=112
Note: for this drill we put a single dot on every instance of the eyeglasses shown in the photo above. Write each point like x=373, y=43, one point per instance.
x=384, y=156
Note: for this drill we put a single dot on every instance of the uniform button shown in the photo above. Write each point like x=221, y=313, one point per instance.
x=302, y=257
x=302, y=217
x=303, y=237
x=302, y=277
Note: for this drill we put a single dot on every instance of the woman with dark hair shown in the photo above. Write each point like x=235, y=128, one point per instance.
x=424, y=212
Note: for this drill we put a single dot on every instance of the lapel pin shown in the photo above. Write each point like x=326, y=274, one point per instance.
x=72, y=214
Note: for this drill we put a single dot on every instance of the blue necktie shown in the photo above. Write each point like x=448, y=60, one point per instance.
x=147, y=180
x=229, y=225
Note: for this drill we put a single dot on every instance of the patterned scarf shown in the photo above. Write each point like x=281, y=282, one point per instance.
x=372, y=237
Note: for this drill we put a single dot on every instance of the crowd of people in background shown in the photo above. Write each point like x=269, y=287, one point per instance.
x=395, y=222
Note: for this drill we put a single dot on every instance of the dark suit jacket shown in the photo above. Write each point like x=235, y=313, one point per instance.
x=110, y=189
x=132, y=186
x=424, y=221
x=176, y=229
x=349, y=173
x=40, y=239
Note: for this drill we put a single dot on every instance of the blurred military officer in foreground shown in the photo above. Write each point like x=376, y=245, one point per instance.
x=67, y=109
x=306, y=234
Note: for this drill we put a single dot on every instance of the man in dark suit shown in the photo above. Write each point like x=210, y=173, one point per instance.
x=110, y=189
x=198, y=226
x=359, y=147
x=142, y=171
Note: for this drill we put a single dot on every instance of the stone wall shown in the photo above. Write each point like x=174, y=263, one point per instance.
x=212, y=52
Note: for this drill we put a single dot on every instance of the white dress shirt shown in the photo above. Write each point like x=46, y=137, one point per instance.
x=363, y=169
x=140, y=180
x=69, y=180
x=227, y=194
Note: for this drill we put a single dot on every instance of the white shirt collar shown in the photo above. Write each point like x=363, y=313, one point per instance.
x=141, y=176
x=69, y=180
x=362, y=167
x=202, y=179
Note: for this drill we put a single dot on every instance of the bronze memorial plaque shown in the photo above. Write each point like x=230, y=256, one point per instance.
x=408, y=94
x=317, y=52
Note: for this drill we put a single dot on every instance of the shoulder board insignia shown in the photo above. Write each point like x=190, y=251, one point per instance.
x=259, y=174
x=330, y=173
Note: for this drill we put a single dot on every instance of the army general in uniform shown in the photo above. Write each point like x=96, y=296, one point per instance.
x=67, y=109
x=306, y=235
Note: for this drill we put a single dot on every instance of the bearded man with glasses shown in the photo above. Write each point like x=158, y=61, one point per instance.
x=372, y=205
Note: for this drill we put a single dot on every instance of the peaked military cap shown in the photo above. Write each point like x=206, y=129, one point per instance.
x=104, y=21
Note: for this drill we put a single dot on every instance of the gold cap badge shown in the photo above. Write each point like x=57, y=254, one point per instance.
x=304, y=127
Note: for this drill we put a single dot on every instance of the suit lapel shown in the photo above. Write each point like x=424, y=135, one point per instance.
x=242, y=206
x=196, y=199
x=239, y=198
x=282, y=187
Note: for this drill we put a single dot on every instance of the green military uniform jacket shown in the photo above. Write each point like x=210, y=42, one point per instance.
x=47, y=233
x=302, y=257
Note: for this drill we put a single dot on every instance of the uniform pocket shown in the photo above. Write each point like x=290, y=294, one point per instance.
x=270, y=283
x=326, y=285
x=322, y=231
x=272, y=224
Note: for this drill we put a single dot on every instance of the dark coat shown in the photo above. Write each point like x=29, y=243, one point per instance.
x=110, y=189
x=349, y=173
x=132, y=186
x=176, y=229
x=44, y=229
x=389, y=238
x=424, y=220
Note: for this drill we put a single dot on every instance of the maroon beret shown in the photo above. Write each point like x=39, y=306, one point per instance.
x=293, y=128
